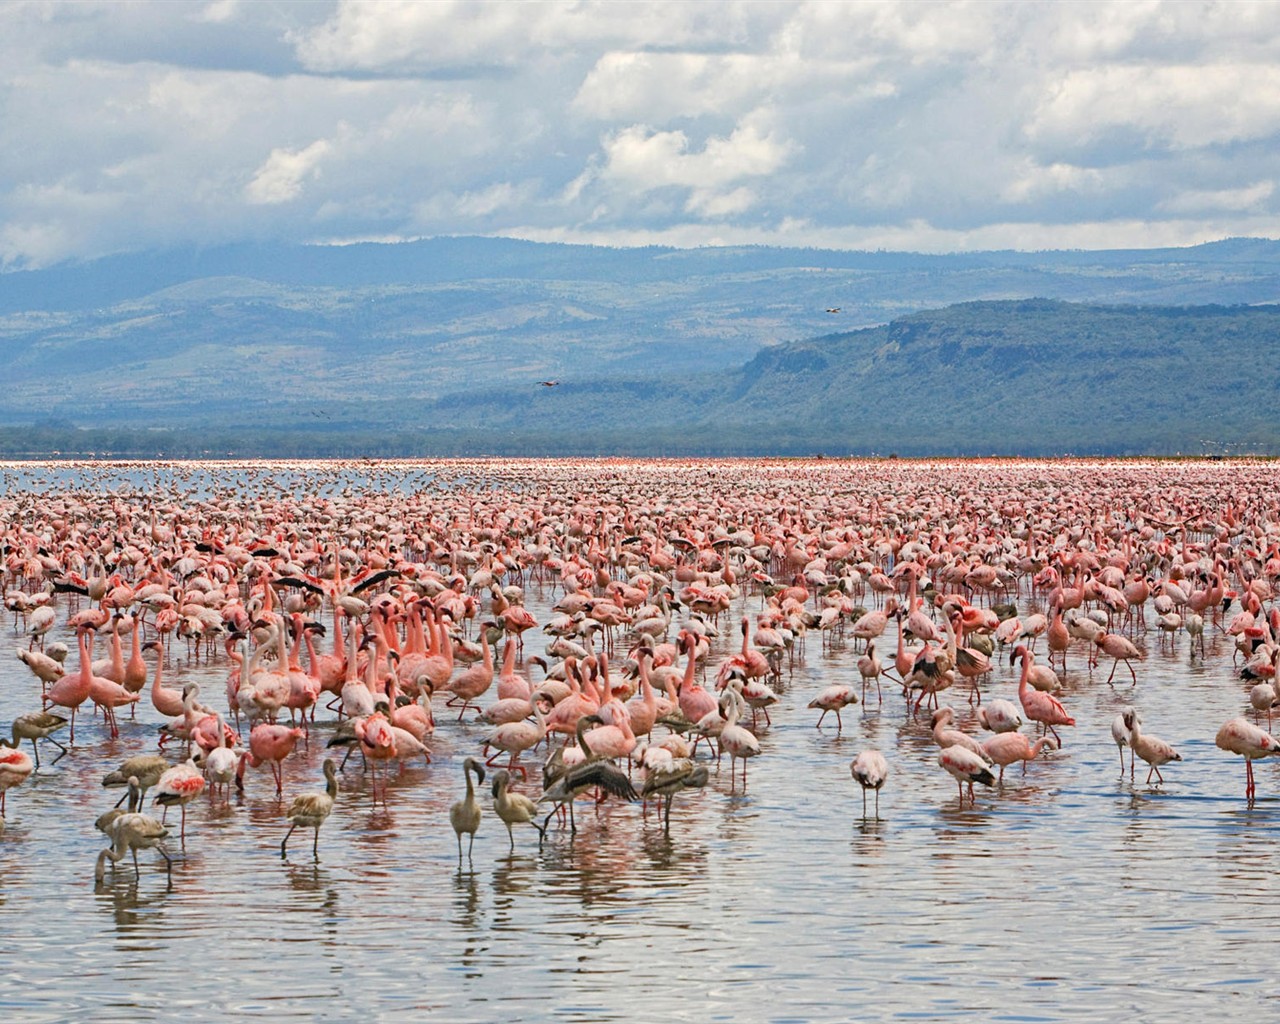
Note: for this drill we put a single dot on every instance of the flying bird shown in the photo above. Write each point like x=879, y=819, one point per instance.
x=549, y=383
x=833, y=309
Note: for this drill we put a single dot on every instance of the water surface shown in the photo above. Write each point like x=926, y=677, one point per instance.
x=1071, y=893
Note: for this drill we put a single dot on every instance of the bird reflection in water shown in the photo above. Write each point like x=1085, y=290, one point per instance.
x=869, y=838
x=673, y=862
x=133, y=913
x=378, y=830
x=590, y=867
x=466, y=902
x=513, y=876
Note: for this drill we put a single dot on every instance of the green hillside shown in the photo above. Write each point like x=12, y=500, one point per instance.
x=1030, y=377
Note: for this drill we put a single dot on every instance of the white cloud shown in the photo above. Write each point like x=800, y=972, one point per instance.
x=924, y=124
x=281, y=177
x=717, y=205
x=1250, y=197
x=219, y=12
x=1038, y=180
x=644, y=159
x=1181, y=106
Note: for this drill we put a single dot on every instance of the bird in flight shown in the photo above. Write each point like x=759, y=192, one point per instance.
x=833, y=309
x=549, y=383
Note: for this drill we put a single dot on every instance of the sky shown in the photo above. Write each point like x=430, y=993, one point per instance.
x=926, y=127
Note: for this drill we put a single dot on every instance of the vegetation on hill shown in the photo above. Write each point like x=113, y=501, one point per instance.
x=1025, y=377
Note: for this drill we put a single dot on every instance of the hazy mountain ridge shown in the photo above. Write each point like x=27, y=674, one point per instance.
x=682, y=350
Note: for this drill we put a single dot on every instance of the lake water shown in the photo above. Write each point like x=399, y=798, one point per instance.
x=1070, y=894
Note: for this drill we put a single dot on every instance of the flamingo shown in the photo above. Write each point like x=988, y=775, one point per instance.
x=1006, y=747
x=872, y=625
x=132, y=832
x=73, y=690
x=963, y=765
x=34, y=726
x=669, y=779
x=1038, y=706
x=562, y=786
x=464, y=815
x=748, y=661
x=869, y=668
x=179, y=785
x=1240, y=736
x=515, y=738
x=43, y=665
x=833, y=698
x=472, y=683
x=695, y=702
x=1154, y=751
x=1117, y=647
x=146, y=768
x=164, y=699
x=999, y=715
x=221, y=762
x=271, y=744
x=16, y=767
x=948, y=737
x=740, y=742
x=870, y=770
x=513, y=808
x=1122, y=732
x=310, y=810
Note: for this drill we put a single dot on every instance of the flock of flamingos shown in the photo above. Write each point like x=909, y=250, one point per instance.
x=365, y=618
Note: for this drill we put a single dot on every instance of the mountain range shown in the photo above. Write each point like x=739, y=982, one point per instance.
x=438, y=347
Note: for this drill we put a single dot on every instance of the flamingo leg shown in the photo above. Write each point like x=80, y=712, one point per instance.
x=285, y=841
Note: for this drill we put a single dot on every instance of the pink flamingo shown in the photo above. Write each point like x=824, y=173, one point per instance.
x=109, y=695
x=472, y=683
x=16, y=767
x=870, y=770
x=515, y=738
x=73, y=690
x=1154, y=751
x=1117, y=647
x=378, y=743
x=1038, y=706
x=945, y=736
x=615, y=739
x=749, y=662
x=1006, y=747
x=642, y=711
x=833, y=698
x=1240, y=736
x=179, y=785
x=510, y=682
x=695, y=702
x=872, y=625
x=272, y=744
x=1058, y=637
x=963, y=765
